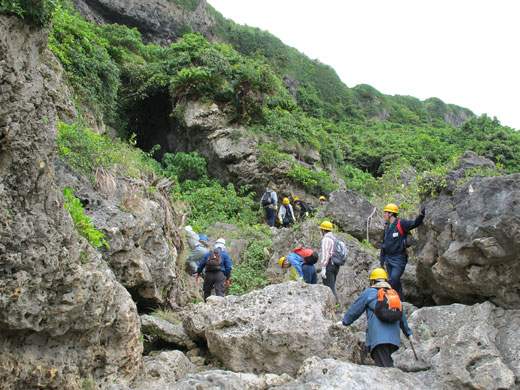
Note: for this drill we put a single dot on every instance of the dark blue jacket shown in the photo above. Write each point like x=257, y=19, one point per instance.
x=226, y=263
x=393, y=240
x=309, y=273
x=378, y=332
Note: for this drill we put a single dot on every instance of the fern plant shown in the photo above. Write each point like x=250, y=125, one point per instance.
x=82, y=223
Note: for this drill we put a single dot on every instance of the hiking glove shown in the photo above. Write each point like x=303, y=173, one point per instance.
x=340, y=323
x=197, y=277
x=227, y=283
x=280, y=220
x=323, y=273
x=423, y=210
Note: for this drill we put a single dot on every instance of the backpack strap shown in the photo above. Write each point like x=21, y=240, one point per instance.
x=399, y=227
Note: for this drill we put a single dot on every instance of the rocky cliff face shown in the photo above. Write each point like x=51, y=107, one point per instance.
x=64, y=318
x=159, y=21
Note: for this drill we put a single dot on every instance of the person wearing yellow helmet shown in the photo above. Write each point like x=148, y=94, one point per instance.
x=323, y=200
x=393, y=249
x=305, y=209
x=286, y=213
x=302, y=260
x=329, y=270
x=382, y=338
x=269, y=202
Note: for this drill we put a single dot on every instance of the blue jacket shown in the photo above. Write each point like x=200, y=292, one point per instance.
x=309, y=273
x=378, y=332
x=393, y=241
x=226, y=263
x=296, y=261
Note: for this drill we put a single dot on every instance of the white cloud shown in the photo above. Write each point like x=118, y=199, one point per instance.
x=464, y=52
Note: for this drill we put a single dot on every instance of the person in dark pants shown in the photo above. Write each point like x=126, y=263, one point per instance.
x=329, y=271
x=382, y=338
x=393, y=249
x=217, y=277
x=305, y=209
x=269, y=202
x=302, y=260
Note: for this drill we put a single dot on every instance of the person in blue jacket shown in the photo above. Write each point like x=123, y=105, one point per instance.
x=216, y=279
x=393, y=250
x=303, y=262
x=382, y=338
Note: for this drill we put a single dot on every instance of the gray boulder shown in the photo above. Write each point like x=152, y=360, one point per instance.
x=351, y=211
x=463, y=347
x=468, y=247
x=272, y=330
x=329, y=374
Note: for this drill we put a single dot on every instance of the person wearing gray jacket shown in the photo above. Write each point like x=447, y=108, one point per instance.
x=198, y=250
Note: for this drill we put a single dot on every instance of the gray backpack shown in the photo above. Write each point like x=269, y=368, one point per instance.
x=340, y=254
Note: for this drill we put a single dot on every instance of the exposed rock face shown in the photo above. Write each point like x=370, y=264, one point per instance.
x=272, y=330
x=63, y=316
x=324, y=374
x=159, y=21
x=136, y=229
x=463, y=347
x=350, y=212
x=468, y=248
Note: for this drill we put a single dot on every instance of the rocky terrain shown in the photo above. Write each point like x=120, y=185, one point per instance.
x=72, y=317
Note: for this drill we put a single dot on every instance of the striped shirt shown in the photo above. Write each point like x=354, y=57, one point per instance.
x=327, y=248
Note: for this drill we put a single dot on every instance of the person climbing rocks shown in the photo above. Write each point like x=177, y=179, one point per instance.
x=217, y=267
x=286, y=213
x=304, y=208
x=393, y=249
x=323, y=200
x=329, y=271
x=269, y=202
x=199, y=247
x=302, y=260
x=382, y=338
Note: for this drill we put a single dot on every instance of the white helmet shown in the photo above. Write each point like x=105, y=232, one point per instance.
x=221, y=241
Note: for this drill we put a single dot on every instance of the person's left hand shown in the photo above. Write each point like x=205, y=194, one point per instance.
x=228, y=282
x=197, y=277
x=323, y=273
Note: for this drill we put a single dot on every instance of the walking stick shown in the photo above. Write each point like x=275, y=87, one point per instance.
x=413, y=349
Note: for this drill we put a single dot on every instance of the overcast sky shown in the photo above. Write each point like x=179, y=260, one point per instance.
x=465, y=52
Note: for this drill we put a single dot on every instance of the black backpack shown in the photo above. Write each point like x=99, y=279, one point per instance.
x=214, y=261
x=266, y=199
x=388, y=306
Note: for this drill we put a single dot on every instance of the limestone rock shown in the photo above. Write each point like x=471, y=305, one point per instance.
x=135, y=229
x=272, y=330
x=350, y=212
x=468, y=248
x=64, y=317
x=325, y=374
x=462, y=346
x=160, y=21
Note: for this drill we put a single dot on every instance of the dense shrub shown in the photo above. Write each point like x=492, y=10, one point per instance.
x=38, y=12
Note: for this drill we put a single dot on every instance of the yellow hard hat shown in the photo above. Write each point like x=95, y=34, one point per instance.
x=378, y=273
x=286, y=201
x=281, y=260
x=392, y=208
x=326, y=225
x=321, y=198
x=295, y=199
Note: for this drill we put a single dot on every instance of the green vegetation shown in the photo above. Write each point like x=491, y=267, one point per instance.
x=37, y=12
x=82, y=223
x=86, y=151
x=249, y=274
